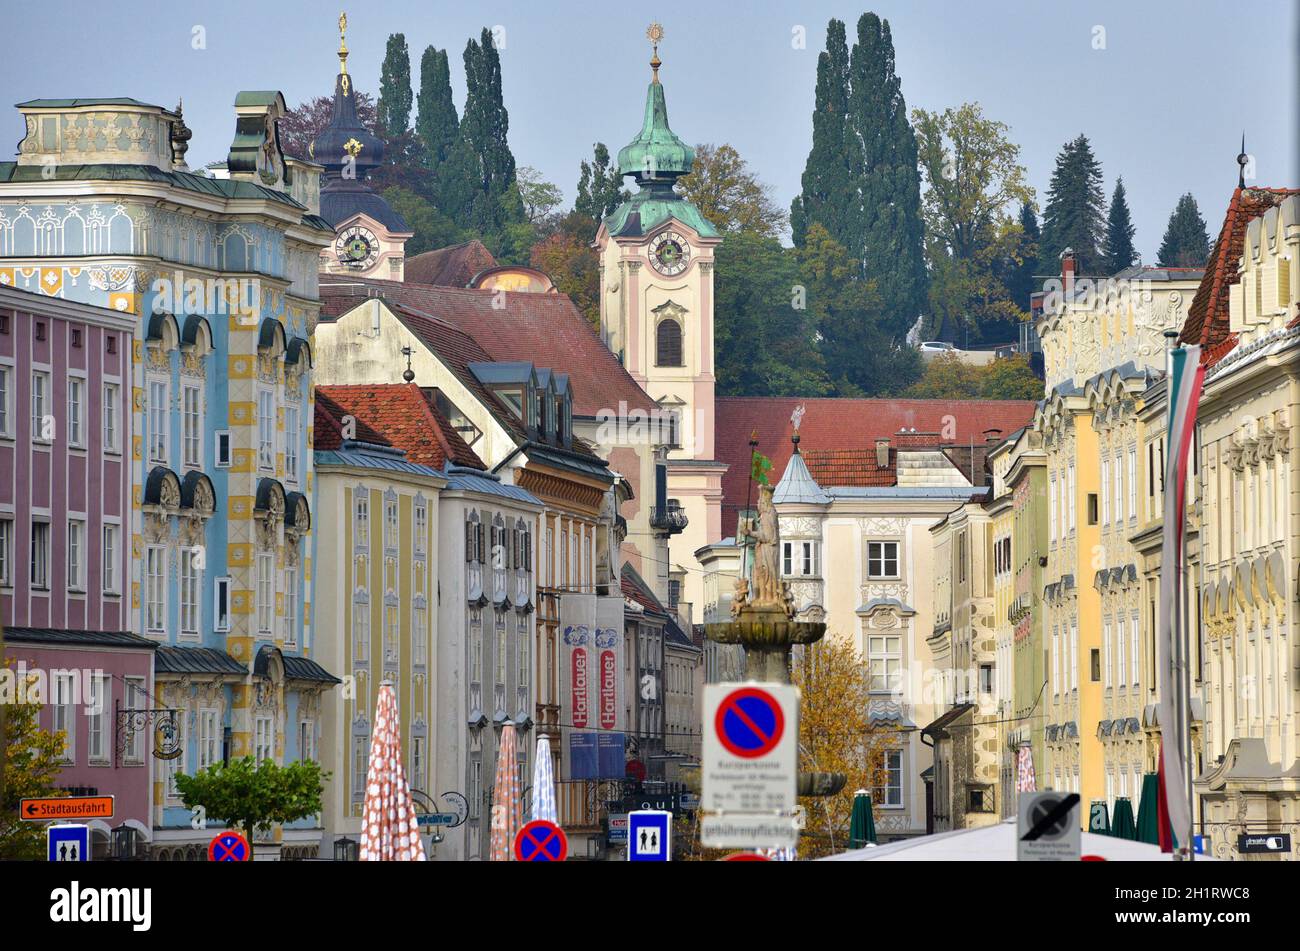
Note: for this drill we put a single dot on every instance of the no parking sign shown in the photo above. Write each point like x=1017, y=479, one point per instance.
x=751, y=734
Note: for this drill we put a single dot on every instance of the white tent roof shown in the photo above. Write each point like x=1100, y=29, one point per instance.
x=996, y=843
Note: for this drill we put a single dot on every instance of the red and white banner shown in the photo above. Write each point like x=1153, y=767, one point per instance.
x=608, y=682
x=581, y=699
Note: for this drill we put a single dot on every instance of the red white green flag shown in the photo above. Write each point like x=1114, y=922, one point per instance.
x=1185, y=381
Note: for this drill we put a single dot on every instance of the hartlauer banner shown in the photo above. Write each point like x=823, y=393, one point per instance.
x=580, y=704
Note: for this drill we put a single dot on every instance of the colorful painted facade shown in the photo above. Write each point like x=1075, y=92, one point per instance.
x=220, y=275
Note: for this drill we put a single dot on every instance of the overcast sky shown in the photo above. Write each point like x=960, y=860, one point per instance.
x=1164, y=102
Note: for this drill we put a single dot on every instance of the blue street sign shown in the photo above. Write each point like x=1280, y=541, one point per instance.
x=649, y=835
x=1201, y=844
x=436, y=819
x=68, y=843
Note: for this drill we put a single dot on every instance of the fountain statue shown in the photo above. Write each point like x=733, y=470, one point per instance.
x=763, y=620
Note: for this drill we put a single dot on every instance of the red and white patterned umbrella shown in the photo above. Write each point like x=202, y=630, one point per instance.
x=506, y=795
x=389, y=832
x=1025, y=779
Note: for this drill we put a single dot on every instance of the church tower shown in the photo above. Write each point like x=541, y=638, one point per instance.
x=369, y=236
x=656, y=313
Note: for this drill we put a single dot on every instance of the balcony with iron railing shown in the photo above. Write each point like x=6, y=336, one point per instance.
x=669, y=518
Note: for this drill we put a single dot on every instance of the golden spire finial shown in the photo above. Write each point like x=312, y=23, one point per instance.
x=343, y=45
x=654, y=33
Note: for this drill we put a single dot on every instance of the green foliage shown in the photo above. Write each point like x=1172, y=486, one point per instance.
x=600, y=187
x=394, y=109
x=1186, y=242
x=948, y=377
x=829, y=175
x=861, y=180
x=1119, y=250
x=254, y=796
x=1075, y=212
x=568, y=259
x=860, y=356
x=728, y=193
x=1020, y=279
x=540, y=197
x=973, y=241
x=766, y=337
x=481, y=167
x=31, y=768
x=432, y=228
x=887, y=235
x=437, y=124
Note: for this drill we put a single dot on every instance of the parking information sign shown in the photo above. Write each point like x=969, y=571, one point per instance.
x=751, y=735
x=649, y=835
x=1048, y=827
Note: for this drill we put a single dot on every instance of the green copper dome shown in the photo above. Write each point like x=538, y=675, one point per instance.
x=656, y=153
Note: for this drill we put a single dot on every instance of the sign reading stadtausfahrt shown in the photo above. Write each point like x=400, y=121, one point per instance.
x=1047, y=827
x=750, y=753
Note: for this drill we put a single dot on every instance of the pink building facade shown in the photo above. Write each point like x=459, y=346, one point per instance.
x=65, y=535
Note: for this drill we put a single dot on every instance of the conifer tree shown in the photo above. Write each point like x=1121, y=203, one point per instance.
x=1074, y=215
x=600, y=187
x=1119, y=251
x=1021, y=282
x=394, y=106
x=1186, y=242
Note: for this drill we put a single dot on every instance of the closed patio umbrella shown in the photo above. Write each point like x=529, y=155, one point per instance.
x=862, y=824
x=389, y=832
x=1148, y=822
x=1099, y=818
x=544, y=782
x=506, y=810
x=1124, y=826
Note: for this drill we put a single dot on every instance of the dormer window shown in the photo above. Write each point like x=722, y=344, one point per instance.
x=548, y=426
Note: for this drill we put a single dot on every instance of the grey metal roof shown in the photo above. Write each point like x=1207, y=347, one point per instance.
x=57, y=637
x=341, y=199
x=484, y=483
x=304, y=668
x=365, y=459
x=798, y=485
x=196, y=660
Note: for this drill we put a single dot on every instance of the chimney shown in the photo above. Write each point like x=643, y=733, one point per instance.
x=882, y=452
x=1067, y=271
x=992, y=436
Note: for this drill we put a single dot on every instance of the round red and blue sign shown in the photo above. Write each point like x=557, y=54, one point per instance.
x=749, y=722
x=541, y=841
x=229, y=847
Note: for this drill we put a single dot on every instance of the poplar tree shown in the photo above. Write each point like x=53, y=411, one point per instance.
x=828, y=178
x=1120, y=252
x=887, y=234
x=436, y=123
x=482, y=194
x=394, y=106
x=600, y=186
x=1186, y=242
x=1021, y=281
x=1074, y=215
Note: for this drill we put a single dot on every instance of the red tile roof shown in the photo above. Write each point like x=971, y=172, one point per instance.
x=1207, y=321
x=454, y=266
x=546, y=330
x=844, y=424
x=327, y=432
x=848, y=467
x=406, y=419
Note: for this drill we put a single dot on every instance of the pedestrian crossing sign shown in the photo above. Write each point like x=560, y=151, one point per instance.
x=649, y=835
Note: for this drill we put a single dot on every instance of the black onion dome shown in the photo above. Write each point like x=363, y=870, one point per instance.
x=345, y=135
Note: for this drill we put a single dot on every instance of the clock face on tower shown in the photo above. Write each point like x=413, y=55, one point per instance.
x=357, y=248
x=669, y=253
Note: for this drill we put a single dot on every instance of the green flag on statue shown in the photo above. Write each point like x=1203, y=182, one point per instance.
x=761, y=467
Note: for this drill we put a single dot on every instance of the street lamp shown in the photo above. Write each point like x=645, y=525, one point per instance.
x=346, y=850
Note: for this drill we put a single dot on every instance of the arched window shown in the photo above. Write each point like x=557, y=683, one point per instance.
x=668, y=343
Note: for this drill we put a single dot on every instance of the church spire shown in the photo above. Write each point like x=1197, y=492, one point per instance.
x=345, y=146
x=343, y=44
x=656, y=157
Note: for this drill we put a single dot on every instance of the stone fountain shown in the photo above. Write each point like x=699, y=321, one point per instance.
x=763, y=621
